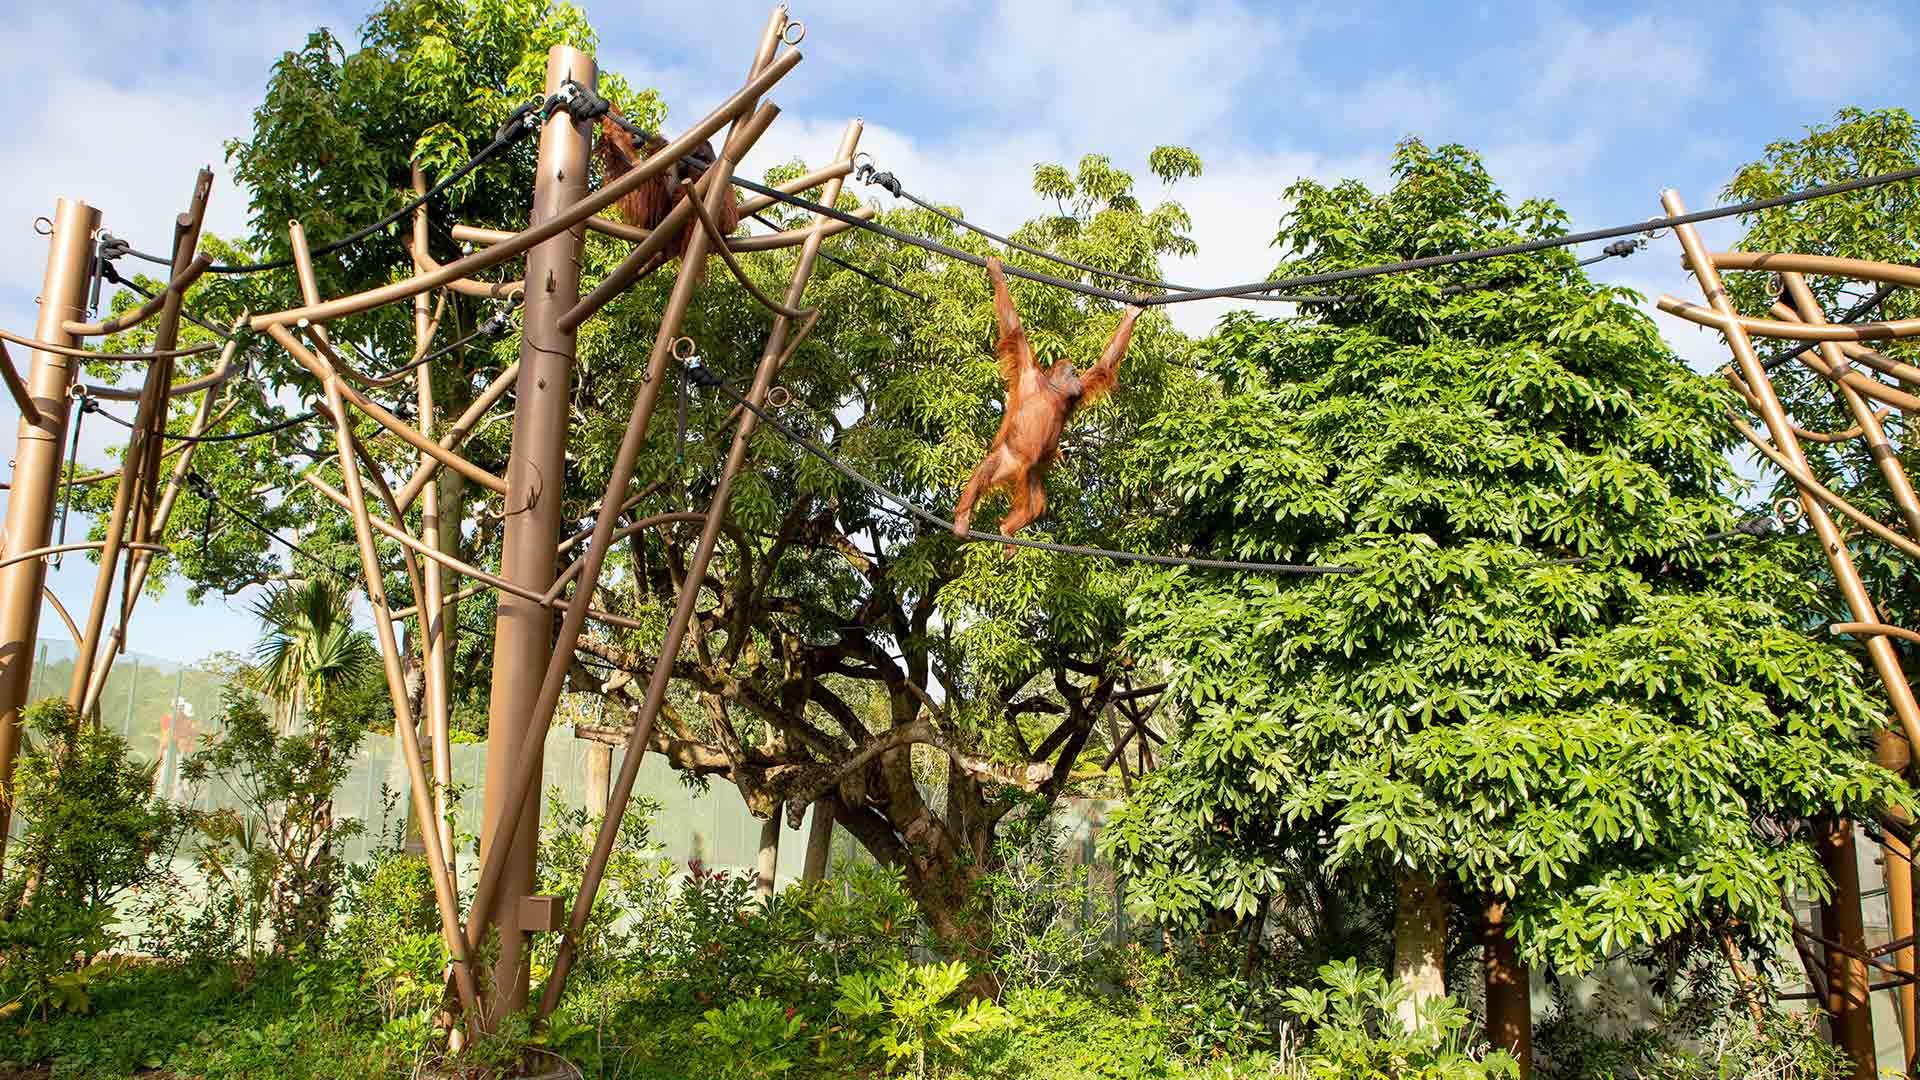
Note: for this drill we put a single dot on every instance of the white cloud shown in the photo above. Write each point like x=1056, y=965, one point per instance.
x=1835, y=49
x=1632, y=70
x=1541, y=168
x=1394, y=105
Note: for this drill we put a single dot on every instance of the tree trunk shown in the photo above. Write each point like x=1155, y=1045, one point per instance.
x=1420, y=942
x=1840, y=922
x=766, y=867
x=599, y=781
x=819, y=841
x=1509, y=992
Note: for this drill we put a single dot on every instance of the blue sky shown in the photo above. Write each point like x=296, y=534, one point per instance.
x=1597, y=105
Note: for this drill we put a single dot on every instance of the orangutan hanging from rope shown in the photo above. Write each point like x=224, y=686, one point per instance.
x=648, y=205
x=1040, y=401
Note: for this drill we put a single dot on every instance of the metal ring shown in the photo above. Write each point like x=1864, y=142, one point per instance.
x=1776, y=284
x=788, y=35
x=1788, y=510
x=43, y=220
x=1653, y=232
x=779, y=397
x=692, y=350
x=862, y=154
x=78, y=391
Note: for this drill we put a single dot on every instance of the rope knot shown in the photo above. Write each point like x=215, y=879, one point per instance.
x=704, y=377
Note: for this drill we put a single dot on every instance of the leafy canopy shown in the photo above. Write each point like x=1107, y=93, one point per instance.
x=1593, y=738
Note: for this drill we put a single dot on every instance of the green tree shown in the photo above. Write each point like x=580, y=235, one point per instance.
x=1542, y=687
x=922, y=689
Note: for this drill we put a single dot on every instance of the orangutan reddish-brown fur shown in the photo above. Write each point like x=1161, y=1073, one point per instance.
x=648, y=205
x=1040, y=401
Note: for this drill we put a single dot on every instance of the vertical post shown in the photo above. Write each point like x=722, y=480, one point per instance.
x=36, y=476
x=819, y=841
x=1509, y=989
x=1896, y=867
x=771, y=357
x=536, y=470
x=1840, y=922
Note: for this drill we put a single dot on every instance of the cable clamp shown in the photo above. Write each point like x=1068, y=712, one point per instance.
x=519, y=123
x=867, y=174
x=1620, y=249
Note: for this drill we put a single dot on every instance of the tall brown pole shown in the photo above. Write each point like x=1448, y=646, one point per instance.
x=768, y=369
x=1509, y=989
x=36, y=476
x=1894, y=755
x=1840, y=921
x=149, y=417
x=536, y=480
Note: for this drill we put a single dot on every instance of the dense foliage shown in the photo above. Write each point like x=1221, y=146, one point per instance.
x=1544, y=681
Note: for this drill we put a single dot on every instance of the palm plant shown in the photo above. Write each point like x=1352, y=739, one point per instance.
x=311, y=648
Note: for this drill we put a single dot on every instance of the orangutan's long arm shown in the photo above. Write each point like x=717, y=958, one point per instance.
x=1100, y=379
x=1016, y=354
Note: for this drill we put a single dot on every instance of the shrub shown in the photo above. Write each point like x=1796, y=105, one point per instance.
x=1353, y=1030
x=94, y=831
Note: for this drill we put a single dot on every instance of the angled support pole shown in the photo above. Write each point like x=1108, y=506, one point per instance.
x=432, y=603
x=141, y=458
x=142, y=560
x=446, y=897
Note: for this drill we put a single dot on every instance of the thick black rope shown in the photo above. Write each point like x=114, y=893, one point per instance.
x=1758, y=527
x=1354, y=273
x=889, y=182
x=204, y=489
x=234, y=436
x=518, y=124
